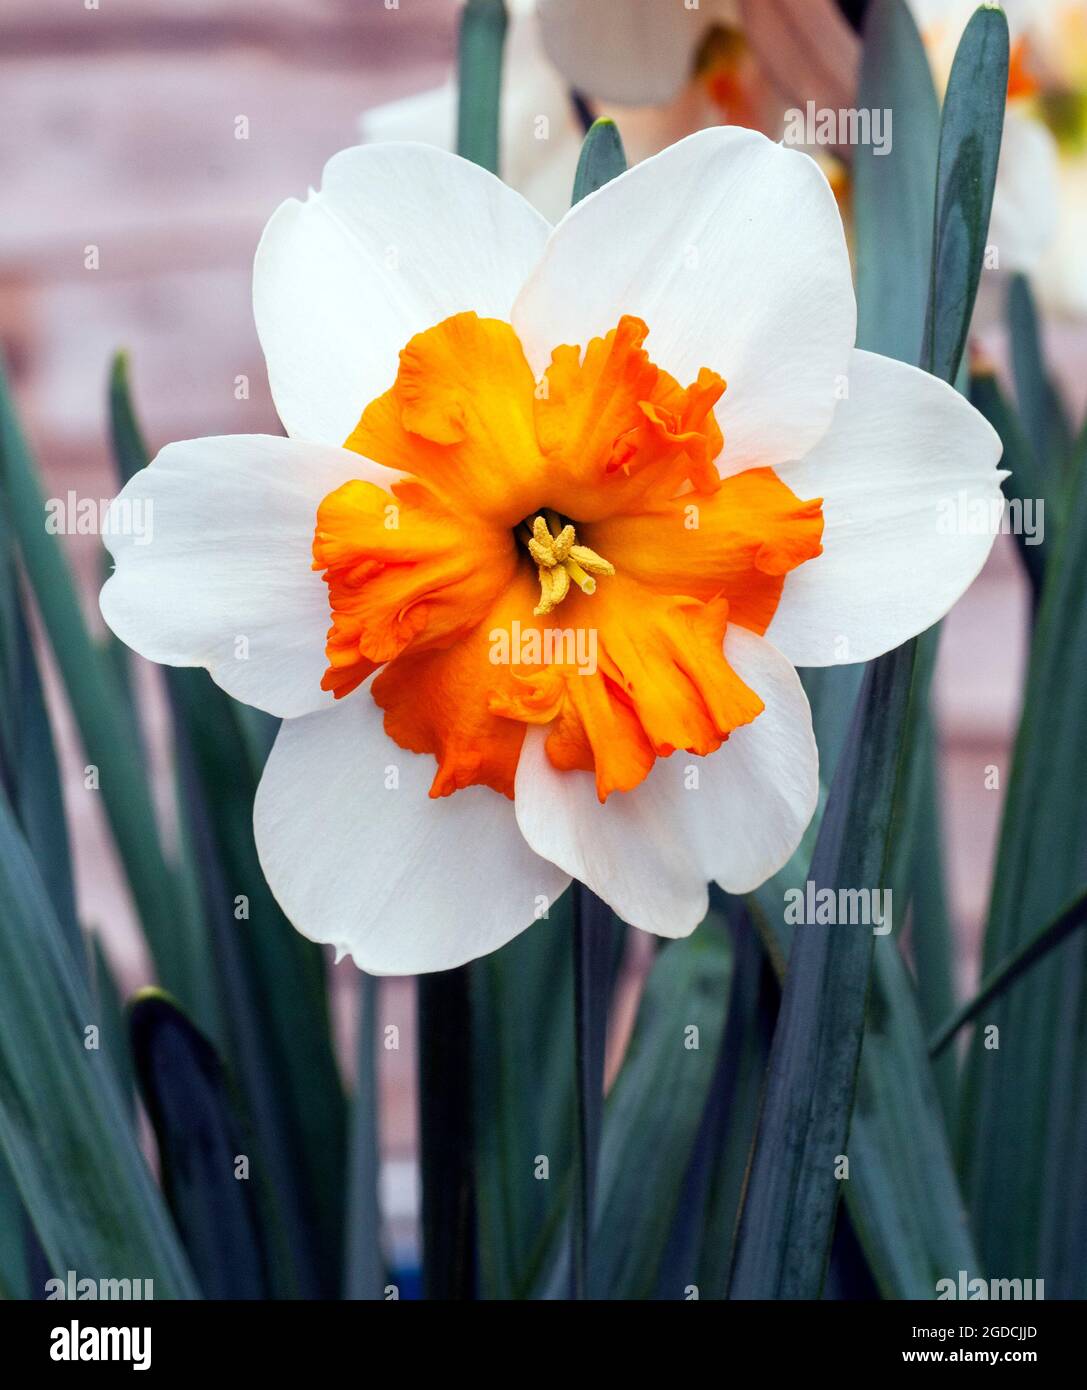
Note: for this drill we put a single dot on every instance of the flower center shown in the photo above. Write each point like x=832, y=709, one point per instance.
x=559, y=559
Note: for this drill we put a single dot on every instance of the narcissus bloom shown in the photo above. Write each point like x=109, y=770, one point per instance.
x=643, y=53
x=558, y=515
x=662, y=69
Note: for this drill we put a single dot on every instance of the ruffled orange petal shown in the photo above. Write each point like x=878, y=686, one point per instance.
x=401, y=569
x=439, y=700
x=460, y=417
x=616, y=430
x=738, y=542
x=661, y=683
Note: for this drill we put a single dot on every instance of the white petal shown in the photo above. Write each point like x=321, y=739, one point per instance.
x=635, y=52
x=911, y=499
x=1027, y=194
x=731, y=249
x=399, y=237
x=736, y=816
x=228, y=556
x=633, y=851
x=1061, y=280
x=402, y=883
x=758, y=792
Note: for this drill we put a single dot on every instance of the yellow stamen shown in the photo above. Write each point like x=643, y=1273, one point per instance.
x=559, y=559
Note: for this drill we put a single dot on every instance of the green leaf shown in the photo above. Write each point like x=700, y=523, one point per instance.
x=895, y=191
x=602, y=159
x=446, y=1134
x=64, y=1129
x=108, y=738
x=364, y=1272
x=930, y=924
x=482, y=36
x=970, y=134
x=130, y=452
x=902, y=1194
x=200, y=1145
x=28, y=770
x=523, y=1094
x=997, y=981
x=700, y=1245
x=15, y=1279
x=1018, y=1154
x=1025, y=481
x=28, y=760
x=112, y=1024
x=787, y=1219
x=1040, y=409
x=278, y=1022
x=654, y=1110
x=593, y=970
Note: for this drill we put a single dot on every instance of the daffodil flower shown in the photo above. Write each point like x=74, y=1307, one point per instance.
x=576, y=503
x=665, y=70
x=644, y=53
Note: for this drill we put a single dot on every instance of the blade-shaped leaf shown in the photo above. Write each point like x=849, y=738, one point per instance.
x=482, y=36
x=997, y=981
x=364, y=1265
x=602, y=159
x=1024, y=485
x=895, y=188
x=15, y=1279
x=654, y=1110
x=1040, y=408
x=1027, y=1074
x=64, y=1129
x=787, y=1219
x=447, y=1135
x=970, y=132
x=700, y=1246
x=592, y=946
x=201, y=1149
x=524, y=1101
x=930, y=924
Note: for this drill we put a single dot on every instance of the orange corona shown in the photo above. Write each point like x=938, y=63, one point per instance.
x=591, y=499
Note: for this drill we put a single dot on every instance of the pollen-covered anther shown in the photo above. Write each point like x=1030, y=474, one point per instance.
x=559, y=559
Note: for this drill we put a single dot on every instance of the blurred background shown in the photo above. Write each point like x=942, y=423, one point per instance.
x=164, y=136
